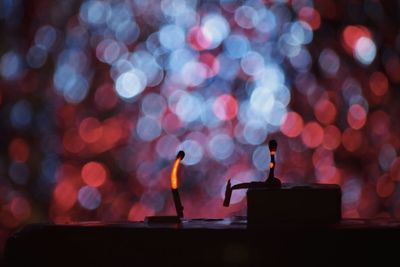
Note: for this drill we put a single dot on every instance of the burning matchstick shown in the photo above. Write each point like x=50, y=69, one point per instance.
x=174, y=184
x=271, y=181
x=175, y=194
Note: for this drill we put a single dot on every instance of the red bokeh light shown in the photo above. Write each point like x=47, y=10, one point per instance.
x=65, y=195
x=356, y=116
x=90, y=130
x=292, y=124
x=94, y=174
x=113, y=130
x=312, y=135
x=20, y=208
x=351, y=34
x=368, y=201
x=311, y=16
x=385, y=186
x=18, y=150
x=211, y=62
x=322, y=157
x=138, y=212
x=66, y=115
x=378, y=83
x=105, y=97
x=325, y=111
x=332, y=137
x=171, y=123
x=328, y=174
x=379, y=122
x=197, y=39
x=72, y=141
x=352, y=139
x=225, y=107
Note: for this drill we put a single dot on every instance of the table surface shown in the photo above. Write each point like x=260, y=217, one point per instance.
x=204, y=242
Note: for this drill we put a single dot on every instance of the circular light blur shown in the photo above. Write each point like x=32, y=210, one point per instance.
x=166, y=146
x=292, y=125
x=153, y=105
x=10, y=65
x=189, y=107
x=261, y=158
x=312, y=135
x=236, y=46
x=365, y=50
x=148, y=128
x=172, y=36
x=89, y=197
x=246, y=17
x=225, y=107
x=329, y=62
x=255, y=132
x=36, y=57
x=130, y=84
x=94, y=174
x=21, y=114
x=215, y=29
x=221, y=146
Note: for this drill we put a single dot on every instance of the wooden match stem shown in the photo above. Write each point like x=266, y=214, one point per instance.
x=272, y=170
x=177, y=202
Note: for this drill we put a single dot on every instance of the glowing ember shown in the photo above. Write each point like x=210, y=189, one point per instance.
x=271, y=165
x=175, y=168
x=174, y=176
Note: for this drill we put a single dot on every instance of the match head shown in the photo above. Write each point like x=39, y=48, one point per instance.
x=180, y=155
x=273, y=145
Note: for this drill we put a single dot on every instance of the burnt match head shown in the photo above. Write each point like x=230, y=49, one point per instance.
x=273, y=145
x=180, y=155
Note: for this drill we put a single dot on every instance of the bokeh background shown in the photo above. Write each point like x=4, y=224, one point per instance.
x=97, y=97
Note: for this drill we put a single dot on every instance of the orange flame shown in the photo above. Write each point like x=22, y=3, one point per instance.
x=174, y=174
x=271, y=165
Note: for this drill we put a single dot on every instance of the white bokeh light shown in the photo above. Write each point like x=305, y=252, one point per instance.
x=365, y=50
x=130, y=84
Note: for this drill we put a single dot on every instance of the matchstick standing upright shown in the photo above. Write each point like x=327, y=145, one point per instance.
x=174, y=184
